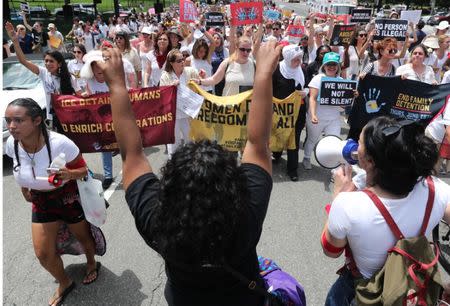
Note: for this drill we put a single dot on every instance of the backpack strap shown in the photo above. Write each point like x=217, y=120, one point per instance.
x=386, y=215
x=429, y=208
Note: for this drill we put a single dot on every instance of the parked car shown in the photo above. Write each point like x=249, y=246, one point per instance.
x=35, y=13
x=438, y=17
x=19, y=82
x=79, y=9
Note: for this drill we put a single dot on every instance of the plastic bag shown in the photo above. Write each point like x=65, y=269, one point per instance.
x=92, y=200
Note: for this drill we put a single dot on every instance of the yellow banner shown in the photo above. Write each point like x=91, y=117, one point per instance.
x=224, y=119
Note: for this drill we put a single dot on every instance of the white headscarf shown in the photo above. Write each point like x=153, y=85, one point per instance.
x=289, y=53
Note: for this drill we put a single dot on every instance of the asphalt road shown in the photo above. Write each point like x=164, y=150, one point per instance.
x=133, y=274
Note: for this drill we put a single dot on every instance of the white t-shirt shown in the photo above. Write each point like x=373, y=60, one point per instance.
x=96, y=87
x=437, y=128
x=207, y=67
x=74, y=67
x=155, y=76
x=24, y=176
x=446, y=78
x=426, y=77
x=354, y=216
x=52, y=84
x=324, y=112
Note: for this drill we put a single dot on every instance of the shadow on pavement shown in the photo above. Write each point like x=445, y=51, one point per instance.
x=108, y=289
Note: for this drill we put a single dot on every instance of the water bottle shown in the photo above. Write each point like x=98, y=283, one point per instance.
x=59, y=162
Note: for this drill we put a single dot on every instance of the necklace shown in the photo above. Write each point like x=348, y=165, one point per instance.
x=31, y=157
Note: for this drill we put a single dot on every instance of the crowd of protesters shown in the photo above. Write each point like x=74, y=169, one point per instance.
x=161, y=50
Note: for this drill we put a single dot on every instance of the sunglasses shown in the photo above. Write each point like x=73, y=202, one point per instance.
x=76, y=52
x=362, y=35
x=118, y=38
x=179, y=61
x=275, y=29
x=331, y=64
x=394, y=129
x=245, y=50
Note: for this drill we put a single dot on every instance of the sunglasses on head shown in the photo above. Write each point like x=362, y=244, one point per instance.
x=245, y=50
x=394, y=129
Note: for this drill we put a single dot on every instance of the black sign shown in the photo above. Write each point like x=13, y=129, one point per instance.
x=392, y=96
x=390, y=28
x=342, y=34
x=361, y=15
x=214, y=19
x=336, y=92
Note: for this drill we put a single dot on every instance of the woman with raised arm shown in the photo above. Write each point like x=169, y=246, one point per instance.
x=33, y=148
x=206, y=213
x=55, y=76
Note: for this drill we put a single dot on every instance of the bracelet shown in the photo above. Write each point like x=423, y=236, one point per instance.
x=199, y=81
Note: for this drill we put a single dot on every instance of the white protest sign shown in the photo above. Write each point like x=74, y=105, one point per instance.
x=188, y=101
x=411, y=16
x=25, y=7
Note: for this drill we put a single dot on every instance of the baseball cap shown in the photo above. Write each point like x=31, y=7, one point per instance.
x=443, y=25
x=51, y=26
x=331, y=57
x=146, y=30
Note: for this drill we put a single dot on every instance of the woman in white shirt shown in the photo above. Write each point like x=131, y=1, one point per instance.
x=156, y=60
x=201, y=58
x=416, y=69
x=33, y=148
x=175, y=73
x=398, y=159
x=75, y=65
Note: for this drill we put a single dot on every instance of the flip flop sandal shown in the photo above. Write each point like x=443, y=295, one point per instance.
x=63, y=295
x=96, y=271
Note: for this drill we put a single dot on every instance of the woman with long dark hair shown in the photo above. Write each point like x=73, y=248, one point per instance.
x=33, y=148
x=398, y=160
x=156, y=60
x=55, y=76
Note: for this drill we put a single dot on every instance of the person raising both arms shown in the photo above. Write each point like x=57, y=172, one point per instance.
x=206, y=212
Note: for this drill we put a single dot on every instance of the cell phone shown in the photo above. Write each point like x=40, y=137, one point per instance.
x=52, y=170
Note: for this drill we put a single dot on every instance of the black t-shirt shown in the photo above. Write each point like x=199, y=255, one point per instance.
x=311, y=71
x=283, y=87
x=41, y=37
x=210, y=287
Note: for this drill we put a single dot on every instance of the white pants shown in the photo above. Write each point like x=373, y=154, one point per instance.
x=329, y=127
x=182, y=129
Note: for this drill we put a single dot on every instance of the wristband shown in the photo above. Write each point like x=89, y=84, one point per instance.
x=329, y=247
x=199, y=81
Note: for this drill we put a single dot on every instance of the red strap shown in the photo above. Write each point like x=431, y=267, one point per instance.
x=426, y=218
x=386, y=215
x=329, y=247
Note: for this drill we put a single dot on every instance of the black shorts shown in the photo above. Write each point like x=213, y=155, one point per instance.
x=60, y=204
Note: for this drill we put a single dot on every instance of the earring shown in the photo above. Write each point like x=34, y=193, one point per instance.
x=59, y=70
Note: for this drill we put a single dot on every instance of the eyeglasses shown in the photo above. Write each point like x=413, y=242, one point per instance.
x=179, y=61
x=362, y=35
x=245, y=50
x=77, y=52
x=393, y=129
x=392, y=51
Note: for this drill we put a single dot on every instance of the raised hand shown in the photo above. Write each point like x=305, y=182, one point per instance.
x=268, y=57
x=112, y=68
x=10, y=30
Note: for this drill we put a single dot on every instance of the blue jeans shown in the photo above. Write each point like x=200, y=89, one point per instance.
x=342, y=292
x=107, y=164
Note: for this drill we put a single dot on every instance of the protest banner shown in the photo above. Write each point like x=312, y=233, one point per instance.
x=342, y=34
x=188, y=11
x=411, y=16
x=345, y=19
x=392, y=96
x=295, y=31
x=25, y=7
x=361, y=15
x=321, y=16
x=272, y=14
x=224, y=119
x=287, y=13
x=214, y=19
x=336, y=92
x=243, y=13
x=390, y=28
x=88, y=120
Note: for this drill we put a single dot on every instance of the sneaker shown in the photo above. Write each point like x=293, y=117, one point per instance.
x=106, y=183
x=293, y=176
x=307, y=163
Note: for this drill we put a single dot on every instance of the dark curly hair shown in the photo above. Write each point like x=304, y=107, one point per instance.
x=401, y=159
x=202, y=198
x=63, y=73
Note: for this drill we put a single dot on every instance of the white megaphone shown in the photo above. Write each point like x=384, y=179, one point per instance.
x=331, y=151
